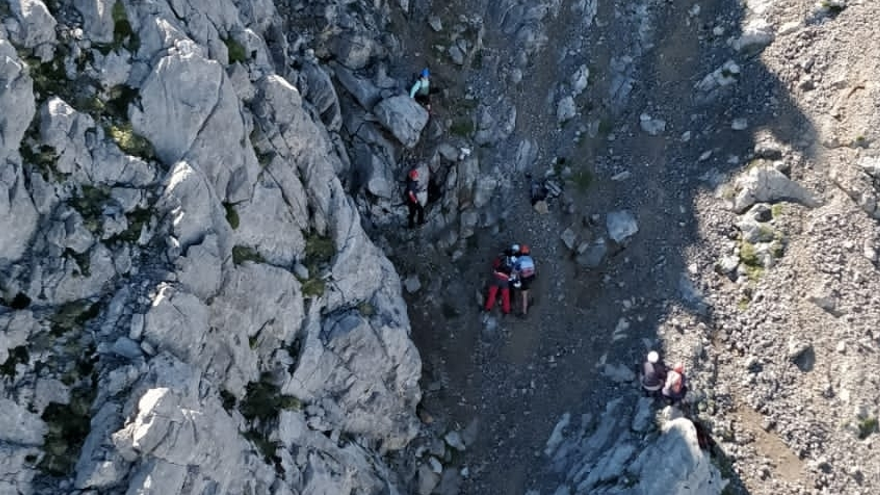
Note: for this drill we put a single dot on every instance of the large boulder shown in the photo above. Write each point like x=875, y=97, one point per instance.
x=364, y=373
x=676, y=462
x=18, y=215
x=36, y=27
x=403, y=117
x=765, y=184
x=189, y=110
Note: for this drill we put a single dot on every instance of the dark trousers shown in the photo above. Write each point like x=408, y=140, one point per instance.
x=415, y=210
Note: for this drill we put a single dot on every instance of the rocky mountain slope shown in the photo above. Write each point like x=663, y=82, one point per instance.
x=190, y=304
x=202, y=199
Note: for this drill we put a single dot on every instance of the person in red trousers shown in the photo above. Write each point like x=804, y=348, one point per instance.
x=500, y=282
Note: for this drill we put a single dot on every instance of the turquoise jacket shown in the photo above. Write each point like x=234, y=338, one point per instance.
x=422, y=87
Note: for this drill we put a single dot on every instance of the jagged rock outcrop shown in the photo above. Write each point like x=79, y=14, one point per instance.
x=189, y=302
x=597, y=459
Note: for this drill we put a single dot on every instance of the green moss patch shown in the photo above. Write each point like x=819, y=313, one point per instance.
x=319, y=249
x=235, y=50
x=240, y=254
x=463, y=127
x=130, y=142
x=231, y=215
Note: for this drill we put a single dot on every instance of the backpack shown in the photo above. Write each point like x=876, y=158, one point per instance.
x=674, y=382
x=526, y=266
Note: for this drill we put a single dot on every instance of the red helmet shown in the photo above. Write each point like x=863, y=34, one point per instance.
x=524, y=249
x=413, y=174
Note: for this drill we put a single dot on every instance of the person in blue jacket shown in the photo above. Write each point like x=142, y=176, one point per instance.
x=421, y=89
x=525, y=272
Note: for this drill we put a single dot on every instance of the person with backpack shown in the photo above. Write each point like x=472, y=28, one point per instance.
x=421, y=89
x=653, y=374
x=502, y=270
x=415, y=197
x=675, y=387
x=524, y=273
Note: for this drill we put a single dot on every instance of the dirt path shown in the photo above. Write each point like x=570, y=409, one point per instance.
x=517, y=383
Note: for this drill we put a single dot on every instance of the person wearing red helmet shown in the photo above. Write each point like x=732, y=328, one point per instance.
x=675, y=387
x=525, y=272
x=413, y=198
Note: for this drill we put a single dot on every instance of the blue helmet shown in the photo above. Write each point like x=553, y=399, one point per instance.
x=425, y=72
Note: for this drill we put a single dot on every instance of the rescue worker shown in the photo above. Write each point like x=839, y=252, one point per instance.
x=415, y=198
x=421, y=89
x=675, y=387
x=653, y=374
x=524, y=270
x=502, y=268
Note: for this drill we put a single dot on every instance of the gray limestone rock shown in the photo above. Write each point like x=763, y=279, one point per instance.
x=427, y=480
x=269, y=225
x=259, y=309
x=569, y=238
x=37, y=27
x=593, y=254
x=189, y=110
x=18, y=216
x=378, y=358
x=127, y=348
x=16, y=328
x=317, y=89
x=580, y=79
x=18, y=425
x=354, y=50
x=189, y=201
x=97, y=19
x=99, y=464
x=199, y=270
x=642, y=419
x=768, y=185
x=565, y=110
x=363, y=90
x=495, y=124
x=651, y=125
x=676, y=462
x=618, y=373
x=403, y=117
x=756, y=35
x=621, y=226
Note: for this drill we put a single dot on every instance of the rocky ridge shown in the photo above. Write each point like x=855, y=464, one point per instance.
x=189, y=292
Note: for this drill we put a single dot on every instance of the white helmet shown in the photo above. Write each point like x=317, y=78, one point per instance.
x=653, y=357
x=515, y=248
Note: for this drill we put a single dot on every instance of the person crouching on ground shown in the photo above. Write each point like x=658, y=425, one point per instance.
x=525, y=274
x=653, y=374
x=501, y=272
x=675, y=387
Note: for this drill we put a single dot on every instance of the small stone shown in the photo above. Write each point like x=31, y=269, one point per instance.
x=453, y=439
x=435, y=23
x=301, y=271
x=412, y=284
x=569, y=238
x=652, y=126
x=739, y=124
x=541, y=207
